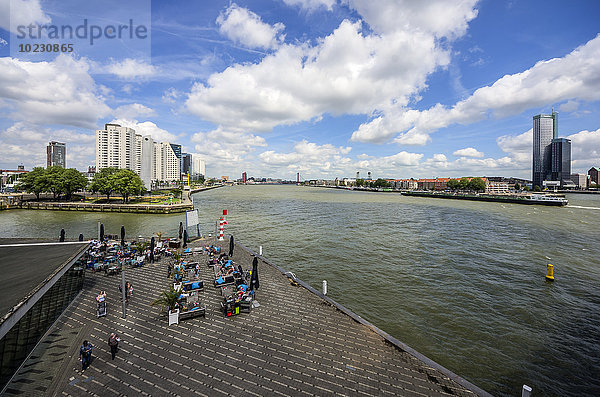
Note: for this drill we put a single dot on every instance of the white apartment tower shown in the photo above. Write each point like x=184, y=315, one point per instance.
x=199, y=166
x=121, y=147
x=116, y=147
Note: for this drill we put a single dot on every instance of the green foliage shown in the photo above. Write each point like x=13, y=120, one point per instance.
x=167, y=299
x=176, y=191
x=127, y=183
x=33, y=182
x=526, y=188
x=537, y=188
x=360, y=182
x=463, y=184
x=476, y=184
x=517, y=186
x=103, y=181
x=55, y=179
x=142, y=246
x=71, y=181
x=453, y=184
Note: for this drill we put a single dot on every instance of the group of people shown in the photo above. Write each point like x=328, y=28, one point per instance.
x=85, y=351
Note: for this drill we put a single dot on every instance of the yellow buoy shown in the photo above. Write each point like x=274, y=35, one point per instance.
x=550, y=272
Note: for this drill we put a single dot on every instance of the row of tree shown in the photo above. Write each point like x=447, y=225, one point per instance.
x=379, y=183
x=60, y=181
x=472, y=184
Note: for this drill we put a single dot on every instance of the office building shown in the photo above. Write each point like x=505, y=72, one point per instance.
x=56, y=154
x=593, y=173
x=244, y=177
x=580, y=180
x=187, y=164
x=561, y=160
x=146, y=160
x=116, y=146
x=545, y=129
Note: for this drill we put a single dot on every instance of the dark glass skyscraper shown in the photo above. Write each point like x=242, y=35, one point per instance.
x=561, y=159
x=545, y=129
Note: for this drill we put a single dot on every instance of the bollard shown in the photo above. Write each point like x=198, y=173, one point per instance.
x=526, y=392
x=221, y=229
x=260, y=250
x=324, y=287
x=550, y=273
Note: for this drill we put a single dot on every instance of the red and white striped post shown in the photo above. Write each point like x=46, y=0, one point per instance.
x=222, y=222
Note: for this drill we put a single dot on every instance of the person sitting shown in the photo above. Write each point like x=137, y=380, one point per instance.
x=101, y=297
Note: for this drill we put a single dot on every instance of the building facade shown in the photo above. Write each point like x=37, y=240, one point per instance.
x=561, y=160
x=199, y=166
x=545, y=129
x=56, y=154
x=580, y=180
x=593, y=173
x=116, y=146
x=187, y=163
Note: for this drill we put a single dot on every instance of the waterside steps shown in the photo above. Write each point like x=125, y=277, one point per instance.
x=296, y=342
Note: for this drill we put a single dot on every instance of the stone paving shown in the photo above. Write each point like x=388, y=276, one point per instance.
x=295, y=343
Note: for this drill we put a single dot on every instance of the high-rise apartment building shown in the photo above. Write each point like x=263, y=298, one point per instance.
x=121, y=147
x=199, y=168
x=561, y=160
x=116, y=146
x=545, y=129
x=56, y=154
x=244, y=177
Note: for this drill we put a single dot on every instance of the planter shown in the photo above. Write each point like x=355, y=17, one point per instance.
x=174, y=317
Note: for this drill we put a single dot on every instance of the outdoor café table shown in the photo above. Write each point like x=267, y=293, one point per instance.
x=114, y=269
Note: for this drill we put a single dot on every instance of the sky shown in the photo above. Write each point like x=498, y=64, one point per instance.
x=324, y=88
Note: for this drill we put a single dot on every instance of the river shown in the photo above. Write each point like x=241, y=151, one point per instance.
x=461, y=282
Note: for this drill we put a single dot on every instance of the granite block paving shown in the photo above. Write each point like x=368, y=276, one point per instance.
x=293, y=344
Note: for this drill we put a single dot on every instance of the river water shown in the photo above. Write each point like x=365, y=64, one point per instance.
x=461, y=282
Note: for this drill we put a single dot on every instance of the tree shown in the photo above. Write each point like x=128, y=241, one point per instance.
x=463, y=184
x=176, y=191
x=476, y=184
x=71, y=181
x=127, y=183
x=53, y=177
x=360, y=182
x=453, y=184
x=103, y=182
x=537, y=188
x=33, y=182
x=167, y=299
x=517, y=186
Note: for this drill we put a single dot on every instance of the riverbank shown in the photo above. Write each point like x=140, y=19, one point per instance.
x=186, y=205
x=534, y=199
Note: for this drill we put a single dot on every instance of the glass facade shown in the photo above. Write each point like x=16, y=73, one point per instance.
x=25, y=334
x=545, y=129
x=561, y=159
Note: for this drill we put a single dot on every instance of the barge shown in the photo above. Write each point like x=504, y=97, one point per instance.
x=531, y=199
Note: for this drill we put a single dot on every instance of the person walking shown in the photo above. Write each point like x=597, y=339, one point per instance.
x=113, y=343
x=85, y=352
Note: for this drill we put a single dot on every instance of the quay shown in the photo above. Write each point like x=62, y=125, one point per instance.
x=297, y=342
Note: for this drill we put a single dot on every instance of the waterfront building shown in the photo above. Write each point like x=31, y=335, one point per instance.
x=561, y=160
x=54, y=276
x=433, y=184
x=146, y=160
x=244, y=177
x=56, y=154
x=116, y=147
x=580, y=180
x=593, y=173
x=186, y=163
x=545, y=129
x=199, y=166
x=167, y=164
x=494, y=187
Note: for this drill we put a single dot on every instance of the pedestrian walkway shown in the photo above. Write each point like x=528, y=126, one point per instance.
x=295, y=343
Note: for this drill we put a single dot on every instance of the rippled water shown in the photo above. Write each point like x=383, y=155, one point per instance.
x=461, y=282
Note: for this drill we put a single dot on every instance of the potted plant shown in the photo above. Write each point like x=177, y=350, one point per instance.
x=169, y=299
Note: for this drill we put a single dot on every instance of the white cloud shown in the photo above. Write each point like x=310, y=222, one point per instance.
x=147, y=128
x=226, y=146
x=347, y=72
x=132, y=111
x=569, y=106
x=311, y=5
x=21, y=12
x=573, y=77
x=519, y=147
x=585, y=150
x=246, y=28
x=131, y=69
x=3, y=42
x=468, y=152
x=26, y=143
x=171, y=95
x=58, y=92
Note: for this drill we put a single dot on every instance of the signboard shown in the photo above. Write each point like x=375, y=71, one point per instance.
x=192, y=217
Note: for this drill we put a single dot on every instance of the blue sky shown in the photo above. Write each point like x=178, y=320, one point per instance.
x=322, y=87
